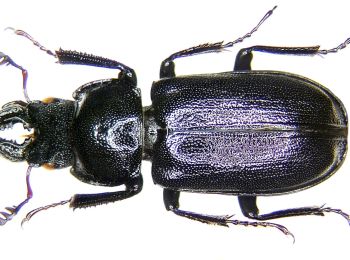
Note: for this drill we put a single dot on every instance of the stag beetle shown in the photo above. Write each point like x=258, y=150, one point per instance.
x=244, y=132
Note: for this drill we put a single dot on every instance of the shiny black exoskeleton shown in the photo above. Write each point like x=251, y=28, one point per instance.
x=244, y=132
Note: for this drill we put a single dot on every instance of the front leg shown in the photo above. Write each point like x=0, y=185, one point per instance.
x=79, y=58
x=75, y=58
x=133, y=187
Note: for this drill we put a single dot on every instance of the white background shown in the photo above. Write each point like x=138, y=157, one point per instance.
x=141, y=34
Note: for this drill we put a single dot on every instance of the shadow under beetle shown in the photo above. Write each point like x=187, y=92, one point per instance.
x=243, y=132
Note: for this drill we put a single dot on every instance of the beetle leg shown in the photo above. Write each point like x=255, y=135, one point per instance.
x=167, y=68
x=336, y=49
x=72, y=57
x=37, y=210
x=245, y=56
x=171, y=201
x=250, y=209
x=5, y=59
x=30, y=38
x=12, y=211
x=79, y=58
x=133, y=187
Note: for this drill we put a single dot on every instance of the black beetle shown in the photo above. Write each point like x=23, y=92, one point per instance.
x=244, y=132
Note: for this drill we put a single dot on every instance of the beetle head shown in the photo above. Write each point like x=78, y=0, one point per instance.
x=50, y=143
x=10, y=114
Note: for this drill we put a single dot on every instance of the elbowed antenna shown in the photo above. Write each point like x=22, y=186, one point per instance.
x=12, y=211
x=6, y=60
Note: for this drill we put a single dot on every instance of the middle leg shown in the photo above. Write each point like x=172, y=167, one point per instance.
x=167, y=68
x=171, y=201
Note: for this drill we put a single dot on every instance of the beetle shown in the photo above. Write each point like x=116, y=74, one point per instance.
x=244, y=133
